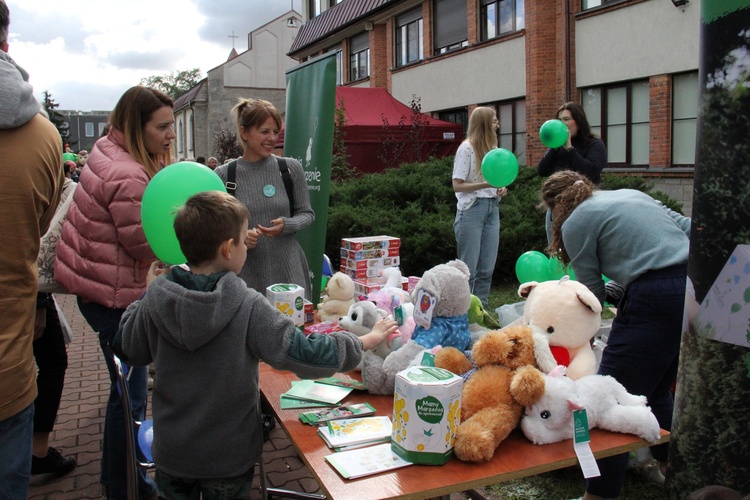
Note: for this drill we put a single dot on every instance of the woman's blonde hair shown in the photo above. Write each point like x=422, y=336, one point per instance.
x=253, y=113
x=132, y=112
x=481, y=134
x=561, y=194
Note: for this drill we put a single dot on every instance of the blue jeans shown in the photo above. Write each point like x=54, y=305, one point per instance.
x=477, y=232
x=106, y=321
x=15, y=454
x=223, y=488
x=642, y=354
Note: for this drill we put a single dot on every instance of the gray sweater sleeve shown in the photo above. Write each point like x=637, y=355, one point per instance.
x=303, y=213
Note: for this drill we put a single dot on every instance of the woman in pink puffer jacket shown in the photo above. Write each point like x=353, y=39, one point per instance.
x=103, y=255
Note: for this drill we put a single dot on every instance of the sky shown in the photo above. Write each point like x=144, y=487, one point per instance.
x=86, y=53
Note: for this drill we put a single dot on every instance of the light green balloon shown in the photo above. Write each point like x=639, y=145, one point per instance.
x=163, y=197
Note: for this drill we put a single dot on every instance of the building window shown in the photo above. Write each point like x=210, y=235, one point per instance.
x=191, y=141
x=498, y=17
x=450, y=31
x=460, y=116
x=180, y=138
x=317, y=7
x=590, y=4
x=409, y=38
x=339, y=71
x=684, y=118
x=359, y=59
x=512, y=132
x=620, y=115
x=102, y=126
x=89, y=127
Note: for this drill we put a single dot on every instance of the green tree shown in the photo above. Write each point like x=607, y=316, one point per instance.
x=226, y=146
x=57, y=118
x=340, y=168
x=174, y=84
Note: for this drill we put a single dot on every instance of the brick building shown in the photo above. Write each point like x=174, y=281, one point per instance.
x=633, y=64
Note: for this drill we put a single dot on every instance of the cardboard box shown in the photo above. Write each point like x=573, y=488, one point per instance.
x=377, y=253
x=426, y=414
x=365, y=286
x=289, y=299
x=724, y=314
x=370, y=242
x=309, y=312
x=370, y=263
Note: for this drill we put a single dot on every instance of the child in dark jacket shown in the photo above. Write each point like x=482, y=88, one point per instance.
x=206, y=333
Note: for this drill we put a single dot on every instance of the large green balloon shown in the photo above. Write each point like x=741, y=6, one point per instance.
x=553, y=133
x=500, y=167
x=70, y=156
x=164, y=195
x=532, y=266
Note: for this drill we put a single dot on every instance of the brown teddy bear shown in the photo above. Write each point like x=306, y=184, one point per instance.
x=492, y=401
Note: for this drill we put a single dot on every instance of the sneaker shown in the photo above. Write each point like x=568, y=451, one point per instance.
x=53, y=463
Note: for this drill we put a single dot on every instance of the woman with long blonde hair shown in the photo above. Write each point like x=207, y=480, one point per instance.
x=477, y=223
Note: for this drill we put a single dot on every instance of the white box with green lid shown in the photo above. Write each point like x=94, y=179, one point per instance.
x=426, y=414
x=289, y=299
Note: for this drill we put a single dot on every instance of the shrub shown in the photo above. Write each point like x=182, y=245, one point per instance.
x=416, y=203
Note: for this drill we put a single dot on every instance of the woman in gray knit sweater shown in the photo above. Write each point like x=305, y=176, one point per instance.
x=273, y=253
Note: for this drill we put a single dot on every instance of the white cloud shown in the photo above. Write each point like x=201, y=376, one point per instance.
x=86, y=53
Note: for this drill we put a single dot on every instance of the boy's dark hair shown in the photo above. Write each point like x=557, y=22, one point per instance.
x=207, y=220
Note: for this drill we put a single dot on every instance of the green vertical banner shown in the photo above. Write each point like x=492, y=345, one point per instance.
x=308, y=137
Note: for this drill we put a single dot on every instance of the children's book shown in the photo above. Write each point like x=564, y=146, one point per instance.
x=310, y=390
x=291, y=403
x=351, y=383
x=373, y=460
x=346, y=411
x=352, y=431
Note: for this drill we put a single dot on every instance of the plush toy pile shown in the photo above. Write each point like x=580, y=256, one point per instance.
x=608, y=406
x=442, y=296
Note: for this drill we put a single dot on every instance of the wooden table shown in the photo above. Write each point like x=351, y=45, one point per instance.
x=515, y=458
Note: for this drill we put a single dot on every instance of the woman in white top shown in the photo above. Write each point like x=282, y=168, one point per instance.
x=477, y=224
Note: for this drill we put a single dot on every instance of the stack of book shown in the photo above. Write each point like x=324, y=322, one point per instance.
x=319, y=417
x=316, y=393
x=350, y=433
x=373, y=460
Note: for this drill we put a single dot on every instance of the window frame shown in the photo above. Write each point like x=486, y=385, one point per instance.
x=453, y=44
x=457, y=115
x=411, y=19
x=517, y=133
x=681, y=120
x=604, y=100
x=356, y=57
x=495, y=5
x=88, y=129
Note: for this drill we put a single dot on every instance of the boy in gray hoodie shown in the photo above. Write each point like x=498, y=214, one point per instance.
x=206, y=333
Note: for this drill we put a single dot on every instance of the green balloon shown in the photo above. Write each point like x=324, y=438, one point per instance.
x=164, y=195
x=553, y=133
x=70, y=156
x=500, y=167
x=532, y=266
x=556, y=269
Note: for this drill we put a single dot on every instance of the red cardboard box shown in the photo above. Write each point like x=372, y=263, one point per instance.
x=370, y=263
x=377, y=253
x=370, y=243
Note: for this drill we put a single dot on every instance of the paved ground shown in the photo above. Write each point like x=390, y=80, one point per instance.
x=80, y=423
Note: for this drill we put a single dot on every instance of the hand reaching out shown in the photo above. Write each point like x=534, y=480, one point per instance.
x=379, y=333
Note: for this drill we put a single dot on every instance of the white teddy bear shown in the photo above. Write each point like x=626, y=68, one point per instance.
x=608, y=406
